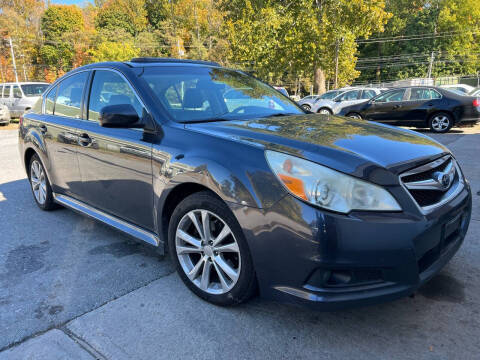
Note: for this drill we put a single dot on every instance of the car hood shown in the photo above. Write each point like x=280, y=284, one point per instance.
x=352, y=146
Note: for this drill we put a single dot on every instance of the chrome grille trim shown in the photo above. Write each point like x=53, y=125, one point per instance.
x=434, y=183
x=457, y=182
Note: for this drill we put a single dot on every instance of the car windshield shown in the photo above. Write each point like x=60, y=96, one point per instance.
x=34, y=89
x=194, y=94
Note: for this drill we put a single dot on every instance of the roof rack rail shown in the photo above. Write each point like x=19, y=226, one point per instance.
x=171, y=60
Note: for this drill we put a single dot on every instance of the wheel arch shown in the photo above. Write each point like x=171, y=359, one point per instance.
x=176, y=195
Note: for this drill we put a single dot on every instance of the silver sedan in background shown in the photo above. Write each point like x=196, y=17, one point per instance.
x=346, y=98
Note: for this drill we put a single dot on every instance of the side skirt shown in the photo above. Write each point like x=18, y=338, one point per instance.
x=121, y=225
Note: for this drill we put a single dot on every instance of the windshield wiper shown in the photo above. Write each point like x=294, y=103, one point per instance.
x=206, y=120
x=279, y=114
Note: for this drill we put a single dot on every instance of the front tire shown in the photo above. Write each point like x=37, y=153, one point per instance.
x=209, y=250
x=306, y=107
x=440, y=123
x=355, y=116
x=40, y=185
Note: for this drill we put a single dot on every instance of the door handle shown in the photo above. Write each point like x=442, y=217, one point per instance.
x=43, y=129
x=430, y=104
x=84, y=140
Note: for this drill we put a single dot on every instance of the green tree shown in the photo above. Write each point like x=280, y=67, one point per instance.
x=301, y=38
x=62, y=27
x=448, y=28
x=129, y=15
x=114, y=51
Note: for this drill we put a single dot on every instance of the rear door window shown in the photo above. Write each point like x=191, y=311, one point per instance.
x=368, y=94
x=17, y=93
x=418, y=94
x=69, y=97
x=391, y=96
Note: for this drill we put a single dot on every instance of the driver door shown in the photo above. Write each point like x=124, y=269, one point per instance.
x=115, y=164
x=387, y=108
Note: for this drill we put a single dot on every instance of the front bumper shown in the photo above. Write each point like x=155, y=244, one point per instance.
x=296, y=248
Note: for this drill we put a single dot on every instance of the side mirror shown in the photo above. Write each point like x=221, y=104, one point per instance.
x=120, y=116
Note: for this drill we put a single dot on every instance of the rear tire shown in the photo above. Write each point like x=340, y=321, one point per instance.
x=440, y=123
x=325, y=111
x=40, y=185
x=218, y=271
x=306, y=107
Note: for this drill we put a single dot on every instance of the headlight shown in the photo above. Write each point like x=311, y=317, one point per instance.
x=328, y=188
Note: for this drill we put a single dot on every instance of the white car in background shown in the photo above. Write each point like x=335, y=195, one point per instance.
x=308, y=101
x=465, y=89
x=4, y=115
x=20, y=97
x=346, y=98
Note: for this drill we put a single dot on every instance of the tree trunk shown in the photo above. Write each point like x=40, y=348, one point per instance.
x=319, y=81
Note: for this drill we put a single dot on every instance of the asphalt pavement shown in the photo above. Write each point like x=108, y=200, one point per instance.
x=71, y=288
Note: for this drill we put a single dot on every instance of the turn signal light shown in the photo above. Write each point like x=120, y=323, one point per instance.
x=295, y=185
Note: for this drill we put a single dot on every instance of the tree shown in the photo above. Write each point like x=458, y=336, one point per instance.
x=62, y=27
x=449, y=29
x=129, y=15
x=301, y=38
x=114, y=51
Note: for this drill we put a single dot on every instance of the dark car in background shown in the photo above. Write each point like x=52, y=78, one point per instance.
x=436, y=108
x=247, y=195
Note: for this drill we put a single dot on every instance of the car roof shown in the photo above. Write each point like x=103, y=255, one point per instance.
x=25, y=83
x=149, y=62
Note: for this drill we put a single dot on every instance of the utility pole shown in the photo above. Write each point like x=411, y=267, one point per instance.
x=13, y=58
x=337, y=45
x=430, y=65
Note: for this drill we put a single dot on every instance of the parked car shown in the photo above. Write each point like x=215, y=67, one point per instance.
x=282, y=90
x=459, y=87
x=436, y=108
x=327, y=212
x=308, y=101
x=475, y=92
x=349, y=97
x=4, y=115
x=20, y=97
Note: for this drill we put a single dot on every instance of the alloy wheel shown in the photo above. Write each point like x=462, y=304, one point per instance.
x=38, y=181
x=325, y=112
x=440, y=123
x=208, y=251
x=306, y=107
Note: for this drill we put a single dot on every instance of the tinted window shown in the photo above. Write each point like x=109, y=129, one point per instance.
x=419, y=94
x=50, y=101
x=34, y=89
x=396, y=95
x=368, y=94
x=69, y=97
x=435, y=94
x=6, y=91
x=109, y=88
x=17, y=93
x=201, y=93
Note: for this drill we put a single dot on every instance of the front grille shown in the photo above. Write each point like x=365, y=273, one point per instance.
x=433, y=184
